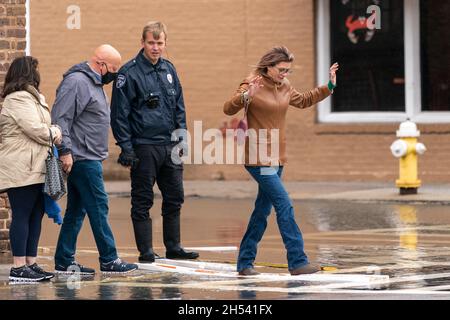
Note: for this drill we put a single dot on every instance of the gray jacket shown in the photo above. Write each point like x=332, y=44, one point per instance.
x=82, y=111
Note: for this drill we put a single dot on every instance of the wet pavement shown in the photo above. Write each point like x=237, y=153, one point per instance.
x=408, y=242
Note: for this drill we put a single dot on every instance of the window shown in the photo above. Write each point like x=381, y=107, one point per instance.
x=372, y=76
x=435, y=55
x=400, y=71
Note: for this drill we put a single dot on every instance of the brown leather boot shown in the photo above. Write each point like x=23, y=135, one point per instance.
x=248, y=272
x=306, y=269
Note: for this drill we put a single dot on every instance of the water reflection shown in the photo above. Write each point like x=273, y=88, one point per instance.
x=401, y=240
x=174, y=292
x=407, y=216
x=247, y=294
x=337, y=216
x=65, y=293
x=408, y=252
x=107, y=292
x=141, y=293
x=170, y=293
x=295, y=284
x=24, y=291
x=68, y=287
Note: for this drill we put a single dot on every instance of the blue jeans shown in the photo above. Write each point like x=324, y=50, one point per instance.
x=271, y=192
x=85, y=194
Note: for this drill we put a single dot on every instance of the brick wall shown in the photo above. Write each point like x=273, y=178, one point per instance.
x=213, y=44
x=5, y=221
x=12, y=45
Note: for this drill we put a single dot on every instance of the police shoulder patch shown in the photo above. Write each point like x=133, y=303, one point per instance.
x=121, y=80
x=169, y=78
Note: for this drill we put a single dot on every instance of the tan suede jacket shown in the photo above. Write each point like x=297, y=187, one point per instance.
x=25, y=132
x=267, y=110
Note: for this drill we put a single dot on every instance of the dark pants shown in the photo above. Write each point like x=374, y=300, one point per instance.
x=85, y=194
x=155, y=165
x=27, y=206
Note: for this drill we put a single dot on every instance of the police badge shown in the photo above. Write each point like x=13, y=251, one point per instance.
x=169, y=78
x=120, y=81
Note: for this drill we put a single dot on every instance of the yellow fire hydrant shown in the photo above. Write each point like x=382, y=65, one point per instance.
x=406, y=149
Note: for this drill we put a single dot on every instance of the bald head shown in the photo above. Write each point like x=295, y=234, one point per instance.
x=106, y=54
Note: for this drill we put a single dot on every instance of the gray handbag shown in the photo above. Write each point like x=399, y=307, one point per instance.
x=54, y=185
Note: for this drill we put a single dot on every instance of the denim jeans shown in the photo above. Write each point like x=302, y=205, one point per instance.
x=271, y=192
x=85, y=194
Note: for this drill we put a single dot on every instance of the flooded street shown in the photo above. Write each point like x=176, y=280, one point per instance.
x=408, y=243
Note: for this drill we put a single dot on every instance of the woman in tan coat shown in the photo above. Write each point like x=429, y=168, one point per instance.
x=267, y=94
x=25, y=128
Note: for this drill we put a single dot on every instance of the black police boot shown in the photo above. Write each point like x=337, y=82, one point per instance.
x=171, y=235
x=180, y=253
x=143, y=236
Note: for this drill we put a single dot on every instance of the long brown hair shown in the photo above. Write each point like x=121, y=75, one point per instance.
x=272, y=58
x=22, y=73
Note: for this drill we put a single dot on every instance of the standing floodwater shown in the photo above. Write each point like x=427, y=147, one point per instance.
x=410, y=243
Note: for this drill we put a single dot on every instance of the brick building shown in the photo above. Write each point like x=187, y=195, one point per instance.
x=12, y=45
x=387, y=75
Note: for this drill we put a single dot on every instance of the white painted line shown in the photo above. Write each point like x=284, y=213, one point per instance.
x=398, y=266
x=199, y=265
x=420, y=277
x=229, y=248
x=436, y=288
x=317, y=277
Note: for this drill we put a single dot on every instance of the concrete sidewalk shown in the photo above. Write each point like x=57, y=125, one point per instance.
x=373, y=192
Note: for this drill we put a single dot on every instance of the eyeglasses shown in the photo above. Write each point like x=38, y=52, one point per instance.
x=284, y=70
x=113, y=70
x=101, y=63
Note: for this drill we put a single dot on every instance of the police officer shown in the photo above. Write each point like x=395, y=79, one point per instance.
x=147, y=107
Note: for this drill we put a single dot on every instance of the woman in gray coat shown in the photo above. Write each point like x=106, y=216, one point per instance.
x=25, y=129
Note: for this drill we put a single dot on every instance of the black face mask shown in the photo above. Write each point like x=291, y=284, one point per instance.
x=108, y=77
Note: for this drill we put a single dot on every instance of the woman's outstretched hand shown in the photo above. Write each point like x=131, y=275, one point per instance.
x=254, y=86
x=333, y=69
